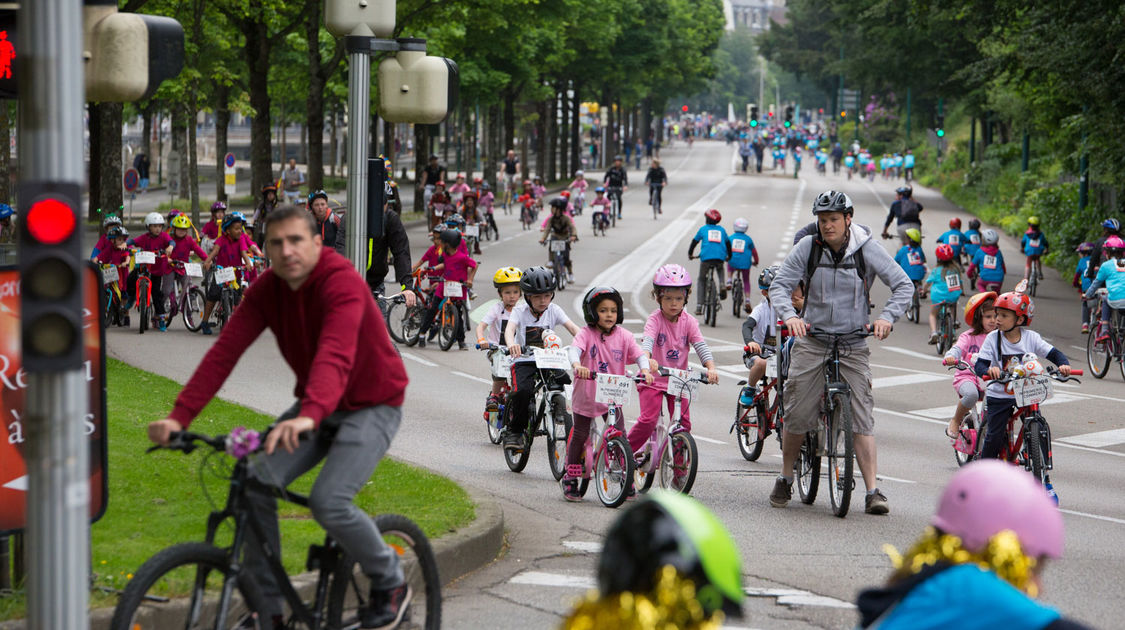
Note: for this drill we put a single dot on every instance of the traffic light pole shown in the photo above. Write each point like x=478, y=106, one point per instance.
x=57, y=452
x=359, y=106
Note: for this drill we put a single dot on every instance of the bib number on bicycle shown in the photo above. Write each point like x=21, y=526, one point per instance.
x=224, y=275
x=680, y=383
x=193, y=270
x=472, y=230
x=613, y=390
x=501, y=365
x=771, y=367
x=1032, y=390
x=109, y=274
x=551, y=359
x=558, y=246
x=146, y=258
x=452, y=288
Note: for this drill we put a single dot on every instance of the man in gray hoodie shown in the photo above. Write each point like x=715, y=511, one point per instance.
x=836, y=301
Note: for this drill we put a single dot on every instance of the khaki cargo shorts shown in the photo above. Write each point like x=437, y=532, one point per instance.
x=804, y=389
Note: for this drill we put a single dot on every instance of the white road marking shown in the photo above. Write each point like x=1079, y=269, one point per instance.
x=473, y=378
x=909, y=416
x=797, y=597
x=1094, y=516
x=883, y=477
x=1082, y=348
x=585, y=546
x=707, y=439
x=632, y=321
x=540, y=578
x=1098, y=439
x=905, y=379
x=911, y=353
x=417, y=359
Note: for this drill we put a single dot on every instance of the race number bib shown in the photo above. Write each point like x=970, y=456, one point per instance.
x=1033, y=242
x=989, y=262
x=714, y=236
x=224, y=275
x=551, y=359
x=953, y=282
x=558, y=245
x=771, y=367
x=1032, y=390
x=974, y=239
x=680, y=383
x=738, y=246
x=452, y=288
x=914, y=258
x=613, y=390
x=472, y=231
x=145, y=258
x=501, y=365
x=954, y=240
x=193, y=270
x=109, y=274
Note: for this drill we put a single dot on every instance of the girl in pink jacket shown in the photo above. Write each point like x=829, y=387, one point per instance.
x=981, y=316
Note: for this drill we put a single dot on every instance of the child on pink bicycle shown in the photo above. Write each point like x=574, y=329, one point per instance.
x=981, y=318
x=602, y=346
x=669, y=336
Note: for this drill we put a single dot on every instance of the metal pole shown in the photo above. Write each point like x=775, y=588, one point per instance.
x=1026, y=152
x=762, y=82
x=1083, y=171
x=908, y=116
x=359, y=104
x=58, y=497
x=972, y=140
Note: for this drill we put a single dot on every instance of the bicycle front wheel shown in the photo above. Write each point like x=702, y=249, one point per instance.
x=945, y=341
x=142, y=306
x=841, y=455
x=192, y=313
x=450, y=320
x=1098, y=349
x=970, y=427
x=350, y=589
x=557, y=433
x=613, y=472
x=808, y=470
x=750, y=427
x=1036, y=450
x=182, y=587
x=679, y=462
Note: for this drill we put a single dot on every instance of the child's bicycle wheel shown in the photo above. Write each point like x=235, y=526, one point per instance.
x=750, y=429
x=143, y=307
x=945, y=330
x=613, y=472
x=808, y=470
x=679, y=463
x=450, y=317
x=192, y=312
x=736, y=295
x=516, y=459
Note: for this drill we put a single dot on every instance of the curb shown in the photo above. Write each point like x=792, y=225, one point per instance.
x=458, y=553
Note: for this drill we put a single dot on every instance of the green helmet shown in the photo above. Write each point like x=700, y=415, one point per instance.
x=914, y=234
x=672, y=529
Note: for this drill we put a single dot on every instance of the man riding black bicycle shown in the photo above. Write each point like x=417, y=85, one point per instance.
x=331, y=334
x=838, y=264
x=616, y=180
x=657, y=179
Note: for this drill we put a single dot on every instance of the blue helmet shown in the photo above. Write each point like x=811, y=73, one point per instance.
x=1112, y=225
x=232, y=218
x=6, y=211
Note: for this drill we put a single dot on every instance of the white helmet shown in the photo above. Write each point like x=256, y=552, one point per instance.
x=741, y=225
x=579, y=173
x=154, y=218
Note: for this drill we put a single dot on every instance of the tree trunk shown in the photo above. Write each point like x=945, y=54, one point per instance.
x=105, y=163
x=421, y=140
x=508, y=139
x=146, y=140
x=576, y=129
x=257, y=51
x=492, y=149
x=608, y=151
x=553, y=136
x=222, y=122
x=646, y=117
x=525, y=151
x=283, y=123
x=191, y=116
x=5, y=153
x=541, y=142
x=389, y=141
x=179, y=146
x=565, y=165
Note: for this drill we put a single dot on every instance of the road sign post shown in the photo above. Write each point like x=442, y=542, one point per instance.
x=175, y=162
x=130, y=182
x=229, y=182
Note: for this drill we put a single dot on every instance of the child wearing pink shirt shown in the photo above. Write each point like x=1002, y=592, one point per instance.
x=669, y=336
x=981, y=316
x=602, y=347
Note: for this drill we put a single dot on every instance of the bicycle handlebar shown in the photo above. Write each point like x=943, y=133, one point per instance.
x=1051, y=371
x=858, y=333
x=186, y=441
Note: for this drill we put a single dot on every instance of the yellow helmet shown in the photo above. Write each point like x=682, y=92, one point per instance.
x=1033, y=220
x=506, y=275
x=181, y=221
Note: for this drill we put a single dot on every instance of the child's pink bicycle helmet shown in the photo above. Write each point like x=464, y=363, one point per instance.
x=989, y=496
x=671, y=277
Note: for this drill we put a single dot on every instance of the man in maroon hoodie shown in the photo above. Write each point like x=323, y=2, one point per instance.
x=350, y=387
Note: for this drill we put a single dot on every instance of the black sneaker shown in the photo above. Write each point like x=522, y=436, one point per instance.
x=421, y=342
x=514, y=441
x=782, y=493
x=876, y=503
x=386, y=608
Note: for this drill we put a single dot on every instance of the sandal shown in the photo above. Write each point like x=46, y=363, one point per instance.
x=952, y=436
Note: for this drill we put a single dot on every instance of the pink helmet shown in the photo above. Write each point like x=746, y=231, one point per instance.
x=1114, y=242
x=671, y=276
x=989, y=496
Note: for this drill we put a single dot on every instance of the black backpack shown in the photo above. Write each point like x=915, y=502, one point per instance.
x=908, y=211
x=814, y=262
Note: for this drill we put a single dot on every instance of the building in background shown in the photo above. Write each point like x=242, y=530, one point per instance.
x=754, y=15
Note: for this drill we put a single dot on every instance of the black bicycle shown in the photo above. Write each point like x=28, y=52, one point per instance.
x=655, y=191
x=203, y=585
x=947, y=326
x=549, y=417
x=614, y=195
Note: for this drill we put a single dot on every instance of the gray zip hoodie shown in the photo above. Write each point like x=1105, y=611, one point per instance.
x=836, y=300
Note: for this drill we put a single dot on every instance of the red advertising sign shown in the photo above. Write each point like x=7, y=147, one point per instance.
x=13, y=381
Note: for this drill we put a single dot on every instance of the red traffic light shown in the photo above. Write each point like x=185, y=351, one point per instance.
x=770, y=114
x=820, y=111
x=684, y=108
x=50, y=221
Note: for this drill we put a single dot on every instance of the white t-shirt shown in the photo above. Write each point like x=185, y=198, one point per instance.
x=765, y=321
x=529, y=329
x=1011, y=354
x=495, y=320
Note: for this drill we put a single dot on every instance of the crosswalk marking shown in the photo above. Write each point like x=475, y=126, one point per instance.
x=540, y=578
x=585, y=546
x=905, y=379
x=797, y=597
x=1098, y=439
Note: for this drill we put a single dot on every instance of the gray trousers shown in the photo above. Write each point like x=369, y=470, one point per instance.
x=349, y=459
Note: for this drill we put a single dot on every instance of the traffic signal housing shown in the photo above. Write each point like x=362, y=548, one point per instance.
x=128, y=54
x=415, y=87
x=51, y=268
x=788, y=116
x=754, y=116
x=8, y=73
x=939, y=128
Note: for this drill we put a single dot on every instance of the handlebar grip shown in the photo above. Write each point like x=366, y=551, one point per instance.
x=1075, y=372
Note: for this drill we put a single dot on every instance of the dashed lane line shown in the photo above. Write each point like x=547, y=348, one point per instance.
x=417, y=359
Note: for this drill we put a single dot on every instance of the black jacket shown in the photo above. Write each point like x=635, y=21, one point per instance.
x=394, y=240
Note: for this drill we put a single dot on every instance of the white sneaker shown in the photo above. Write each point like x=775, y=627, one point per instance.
x=570, y=278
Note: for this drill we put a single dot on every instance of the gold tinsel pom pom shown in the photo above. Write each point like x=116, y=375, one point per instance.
x=671, y=605
x=1002, y=555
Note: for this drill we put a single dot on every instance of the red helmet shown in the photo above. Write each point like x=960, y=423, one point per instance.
x=526, y=183
x=440, y=183
x=944, y=252
x=565, y=194
x=975, y=303
x=713, y=215
x=1018, y=303
x=955, y=223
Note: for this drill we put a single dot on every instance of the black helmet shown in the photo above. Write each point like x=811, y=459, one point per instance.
x=594, y=297
x=905, y=191
x=974, y=224
x=832, y=201
x=559, y=202
x=537, y=281
x=117, y=231
x=451, y=238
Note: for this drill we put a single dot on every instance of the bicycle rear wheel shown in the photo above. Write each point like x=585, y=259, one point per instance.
x=808, y=470
x=945, y=333
x=560, y=424
x=1033, y=278
x=180, y=587
x=1036, y=450
x=226, y=307
x=1098, y=349
x=449, y=319
x=736, y=295
x=912, y=310
x=679, y=463
x=142, y=305
x=192, y=313
x=613, y=472
x=841, y=455
x=350, y=589
x=971, y=427
x=750, y=428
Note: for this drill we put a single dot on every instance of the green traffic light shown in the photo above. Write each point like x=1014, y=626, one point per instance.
x=788, y=124
x=753, y=123
x=941, y=133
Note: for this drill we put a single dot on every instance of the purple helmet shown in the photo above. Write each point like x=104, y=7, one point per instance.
x=671, y=276
x=218, y=205
x=989, y=496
